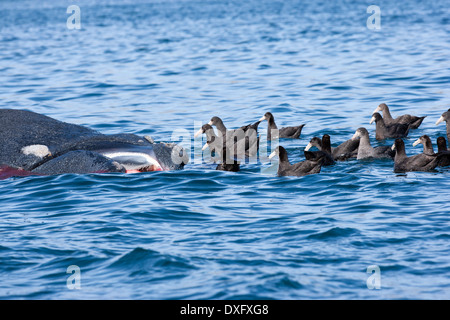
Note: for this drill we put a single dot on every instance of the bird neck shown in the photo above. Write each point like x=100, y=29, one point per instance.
x=221, y=127
x=271, y=122
x=380, y=124
x=448, y=131
x=326, y=146
x=364, y=141
x=364, y=148
x=211, y=135
x=283, y=160
x=428, y=148
x=442, y=146
x=226, y=156
x=387, y=114
x=400, y=153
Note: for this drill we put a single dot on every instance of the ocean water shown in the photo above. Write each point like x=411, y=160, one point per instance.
x=153, y=67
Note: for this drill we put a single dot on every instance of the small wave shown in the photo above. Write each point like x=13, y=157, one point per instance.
x=335, y=232
x=150, y=260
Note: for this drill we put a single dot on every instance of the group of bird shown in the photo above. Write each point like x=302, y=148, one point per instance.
x=229, y=142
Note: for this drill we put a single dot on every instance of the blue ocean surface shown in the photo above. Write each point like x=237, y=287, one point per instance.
x=154, y=67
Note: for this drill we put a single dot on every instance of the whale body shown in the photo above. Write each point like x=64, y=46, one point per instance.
x=36, y=144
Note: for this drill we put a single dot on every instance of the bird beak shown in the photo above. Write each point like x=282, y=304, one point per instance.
x=376, y=110
x=210, y=123
x=199, y=132
x=309, y=146
x=262, y=118
x=205, y=146
x=393, y=147
x=356, y=135
x=273, y=154
x=440, y=120
x=416, y=142
x=372, y=120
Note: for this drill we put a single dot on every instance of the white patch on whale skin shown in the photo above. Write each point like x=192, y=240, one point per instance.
x=118, y=165
x=149, y=139
x=132, y=160
x=38, y=150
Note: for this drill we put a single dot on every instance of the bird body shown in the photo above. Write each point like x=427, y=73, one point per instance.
x=442, y=149
x=366, y=151
x=443, y=154
x=324, y=147
x=311, y=165
x=418, y=162
x=413, y=121
x=240, y=143
x=227, y=164
x=384, y=131
x=286, y=132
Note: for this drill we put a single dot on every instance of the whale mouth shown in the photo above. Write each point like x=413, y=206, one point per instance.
x=145, y=169
x=8, y=172
x=134, y=162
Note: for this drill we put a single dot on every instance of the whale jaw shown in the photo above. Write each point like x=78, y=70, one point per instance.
x=134, y=162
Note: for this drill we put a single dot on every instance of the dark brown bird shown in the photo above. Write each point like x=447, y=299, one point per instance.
x=384, y=131
x=418, y=162
x=324, y=147
x=443, y=154
x=311, y=165
x=286, y=132
x=413, y=121
x=366, y=151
